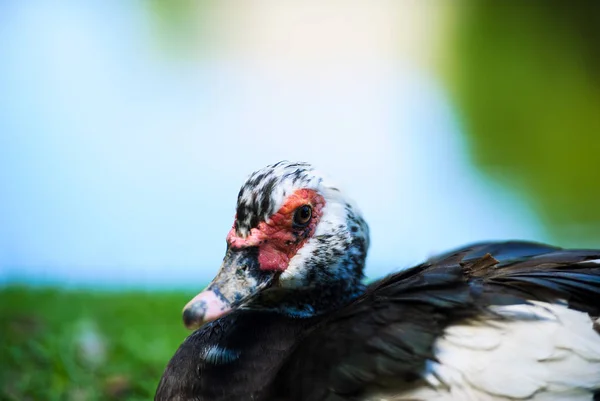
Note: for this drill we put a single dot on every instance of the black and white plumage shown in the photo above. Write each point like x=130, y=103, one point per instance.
x=288, y=318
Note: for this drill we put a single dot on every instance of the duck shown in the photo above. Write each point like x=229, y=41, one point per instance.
x=289, y=317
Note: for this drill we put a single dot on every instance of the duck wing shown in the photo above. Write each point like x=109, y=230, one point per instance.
x=392, y=334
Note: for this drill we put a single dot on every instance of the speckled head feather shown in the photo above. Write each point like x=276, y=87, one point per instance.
x=332, y=257
x=336, y=251
x=265, y=190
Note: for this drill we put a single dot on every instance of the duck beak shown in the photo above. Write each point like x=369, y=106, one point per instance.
x=238, y=281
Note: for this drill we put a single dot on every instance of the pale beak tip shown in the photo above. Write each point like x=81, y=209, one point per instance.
x=204, y=308
x=191, y=318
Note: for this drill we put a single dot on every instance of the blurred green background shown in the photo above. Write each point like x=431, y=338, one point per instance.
x=524, y=80
x=86, y=345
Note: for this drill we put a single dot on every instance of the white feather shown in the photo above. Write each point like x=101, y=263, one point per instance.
x=542, y=352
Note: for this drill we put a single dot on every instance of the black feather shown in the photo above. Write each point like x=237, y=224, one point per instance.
x=384, y=336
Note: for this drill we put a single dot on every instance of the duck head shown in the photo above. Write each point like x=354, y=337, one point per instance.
x=297, y=246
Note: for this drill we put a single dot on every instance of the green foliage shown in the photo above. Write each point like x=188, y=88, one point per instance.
x=86, y=345
x=526, y=76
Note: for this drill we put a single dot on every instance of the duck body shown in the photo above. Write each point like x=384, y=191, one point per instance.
x=491, y=321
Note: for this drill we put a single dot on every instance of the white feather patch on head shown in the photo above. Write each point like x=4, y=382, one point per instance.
x=334, y=216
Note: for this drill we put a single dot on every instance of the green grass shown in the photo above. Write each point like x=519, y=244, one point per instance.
x=86, y=345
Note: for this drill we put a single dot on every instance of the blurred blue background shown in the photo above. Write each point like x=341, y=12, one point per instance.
x=121, y=158
x=127, y=128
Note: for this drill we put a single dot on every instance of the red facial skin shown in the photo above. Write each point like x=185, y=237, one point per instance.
x=277, y=239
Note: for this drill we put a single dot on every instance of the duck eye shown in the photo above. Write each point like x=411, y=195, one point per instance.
x=302, y=216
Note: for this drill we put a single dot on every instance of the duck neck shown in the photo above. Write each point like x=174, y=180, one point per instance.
x=321, y=295
x=309, y=302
